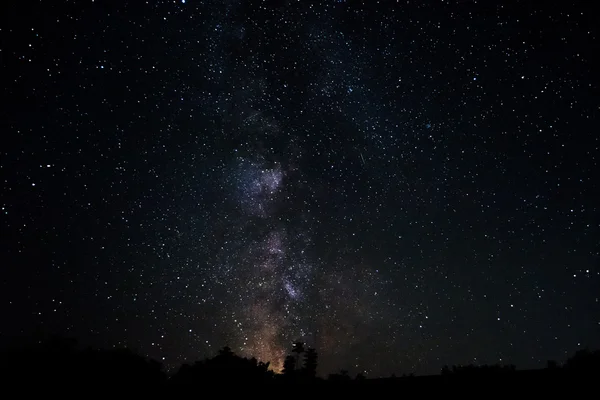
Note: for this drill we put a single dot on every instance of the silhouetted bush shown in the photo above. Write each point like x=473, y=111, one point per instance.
x=584, y=361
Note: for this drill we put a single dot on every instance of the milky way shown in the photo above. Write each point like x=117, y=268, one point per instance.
x=269, y=271
x=401, y=185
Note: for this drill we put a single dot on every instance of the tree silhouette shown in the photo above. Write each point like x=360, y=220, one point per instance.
x=310, y=363
x=584, y=360
x=226, y=352
x=289, y=366
x=341, y=377
x=298, y=348
x=61, y=361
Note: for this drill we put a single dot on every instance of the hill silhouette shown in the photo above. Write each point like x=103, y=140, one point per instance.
x=61, y=361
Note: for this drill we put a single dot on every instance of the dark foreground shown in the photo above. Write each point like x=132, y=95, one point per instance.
x=62, y=363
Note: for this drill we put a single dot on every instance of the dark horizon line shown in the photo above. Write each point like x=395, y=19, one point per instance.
x=77, y=346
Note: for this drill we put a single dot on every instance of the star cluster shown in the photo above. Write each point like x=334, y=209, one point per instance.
x=401, y=185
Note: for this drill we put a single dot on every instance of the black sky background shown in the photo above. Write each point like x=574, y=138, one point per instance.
x=402, y=185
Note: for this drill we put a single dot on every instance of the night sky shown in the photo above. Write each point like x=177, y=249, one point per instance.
x=402, y=185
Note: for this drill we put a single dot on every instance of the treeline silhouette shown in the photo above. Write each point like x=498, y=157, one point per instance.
x=61, y=361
